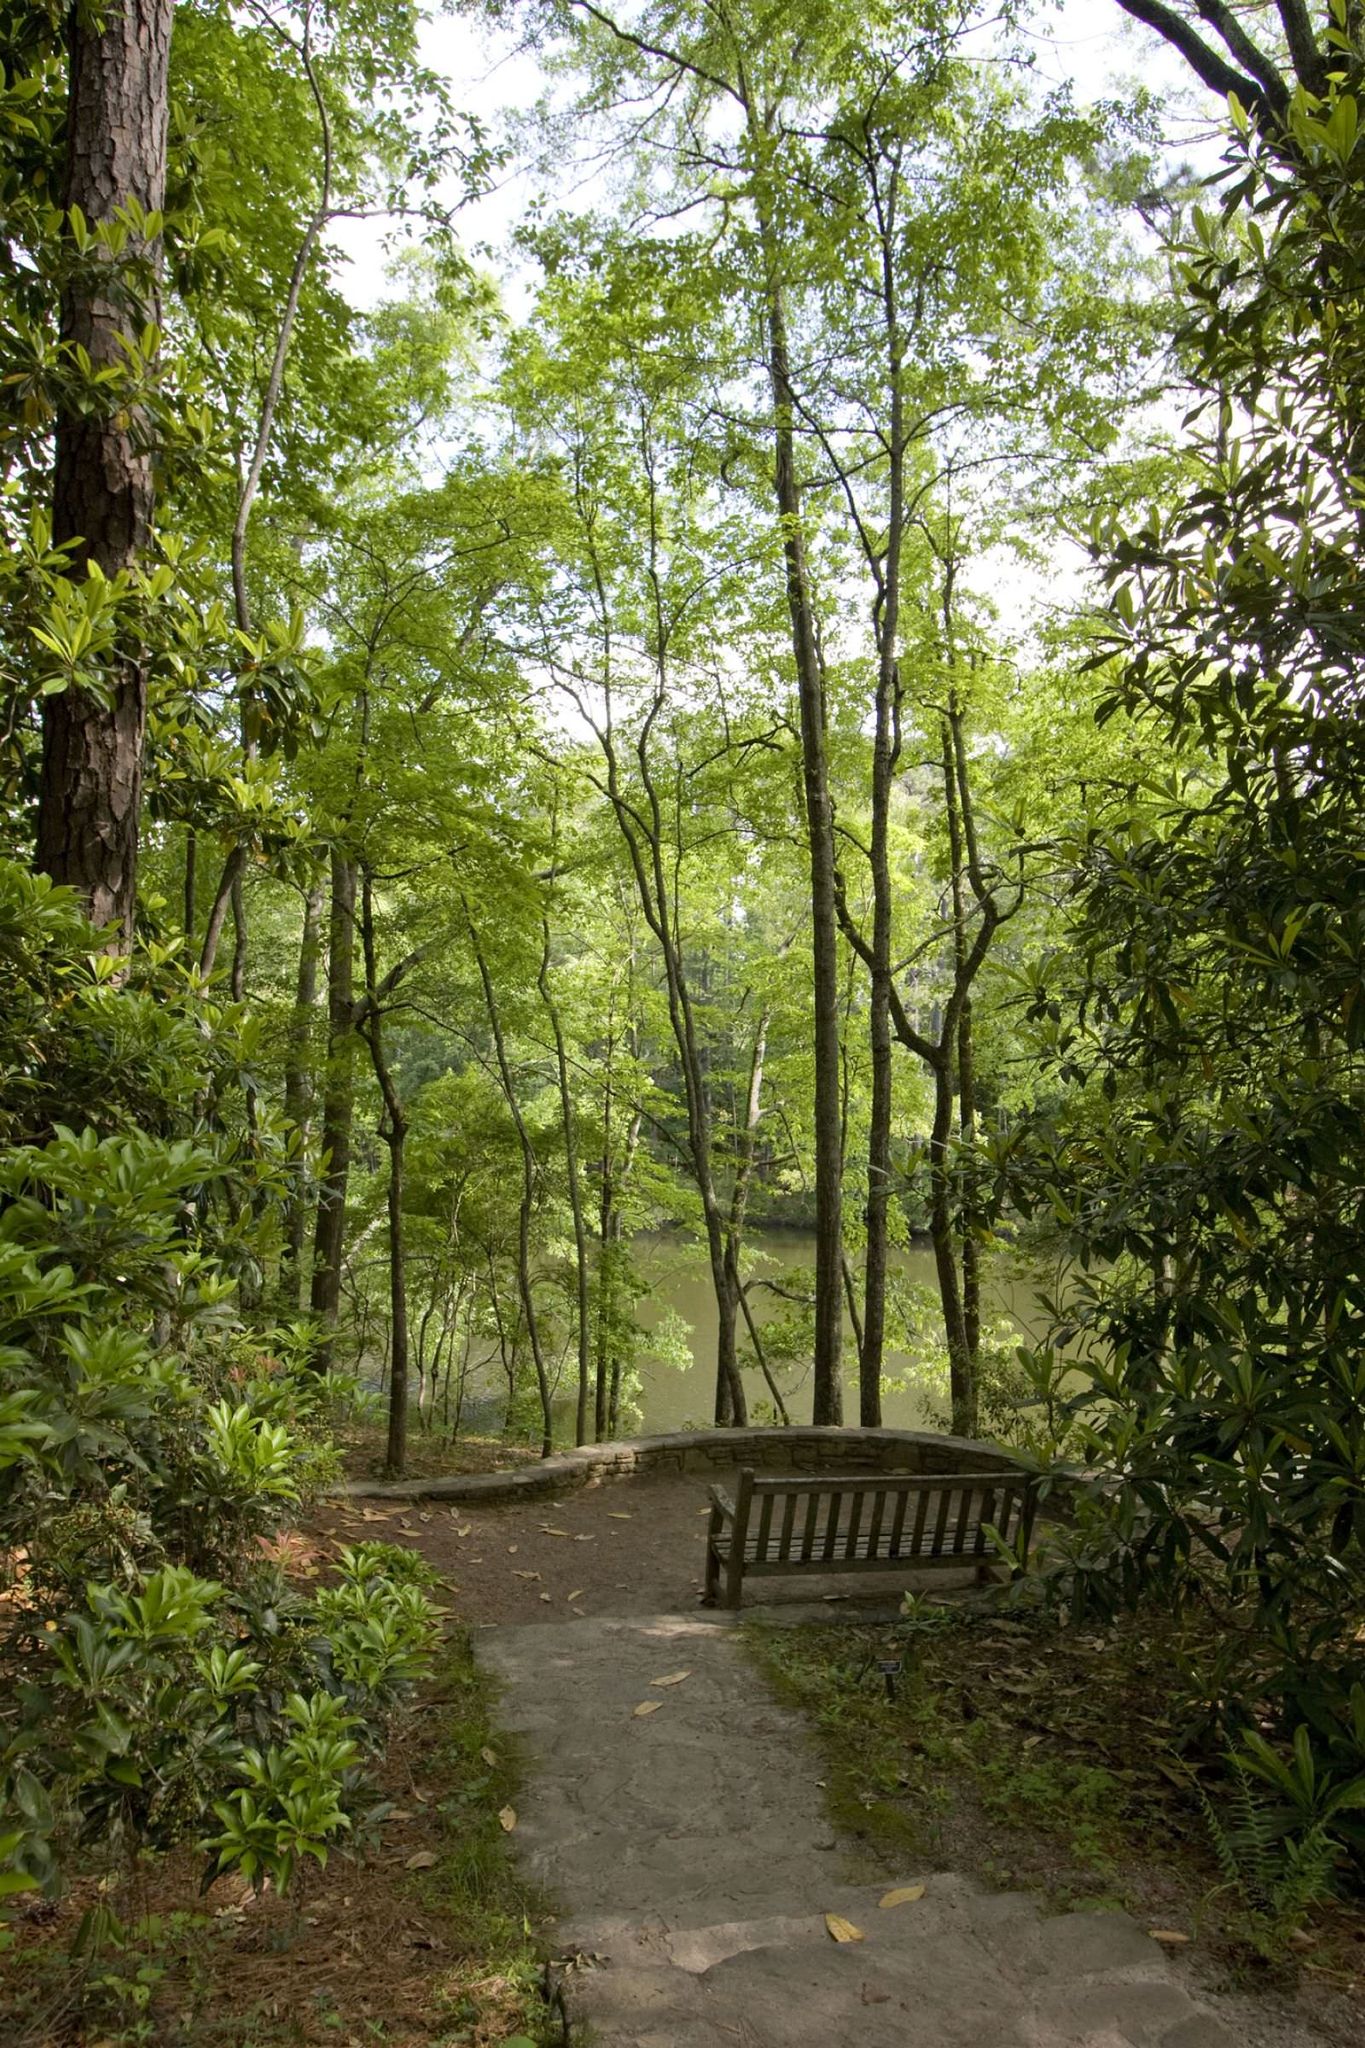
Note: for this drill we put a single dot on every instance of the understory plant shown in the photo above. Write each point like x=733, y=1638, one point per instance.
x=1196, y=1138
x=162, y=1683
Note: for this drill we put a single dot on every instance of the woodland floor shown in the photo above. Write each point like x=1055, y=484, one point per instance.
x=1008, y=1756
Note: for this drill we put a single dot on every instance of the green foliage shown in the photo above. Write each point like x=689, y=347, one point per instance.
x=1277, y=1873
x=1202, y=1023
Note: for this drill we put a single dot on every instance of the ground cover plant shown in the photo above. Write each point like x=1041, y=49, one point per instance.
x=417, y=1930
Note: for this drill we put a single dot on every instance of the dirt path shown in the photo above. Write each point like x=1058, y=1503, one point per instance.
x=632, y=1548
x=687, y=1844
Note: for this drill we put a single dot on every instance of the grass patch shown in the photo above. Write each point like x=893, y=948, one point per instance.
x=1033, y=1756
x=420, y=1933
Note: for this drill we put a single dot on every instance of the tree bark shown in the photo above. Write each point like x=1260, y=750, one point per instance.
x=568, y=1119
x=337, y=1103
x=393, y=1130
x=828, y=1400
x=525, y=1278
x=103, y=499
x=298, y=1089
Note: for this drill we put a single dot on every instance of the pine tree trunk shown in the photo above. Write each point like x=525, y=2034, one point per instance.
x=103, y=499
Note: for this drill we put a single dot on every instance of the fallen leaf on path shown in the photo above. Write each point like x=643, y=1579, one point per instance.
x=398, y=1813
x=577, y=1593
x=843, y=1930
x=526, y=1575
x=546, y=1598
x=904, y=1895
x=490, y=1757
x=703, y=1511
x=585, y=1539
x=1171, y=1936
x=673, y=1678
x=646, y=1707
x=421, y=1859
x=466, y=1530
x=512, y=1549
x=507, y=1819
x=615, y=1515
x=577, y=1610
x=553, y=1532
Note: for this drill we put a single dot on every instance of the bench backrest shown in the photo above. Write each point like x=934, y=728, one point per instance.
x=839, y=1518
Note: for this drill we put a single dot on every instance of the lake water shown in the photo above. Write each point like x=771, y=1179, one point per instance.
x=674, y=1397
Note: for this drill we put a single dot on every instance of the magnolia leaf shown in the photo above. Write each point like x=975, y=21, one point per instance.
x=507, y=1819
x=646, y=1707
x=490, y=1757
x=673, y=1678
x=421, y=1859
x=1171, y=1936
x=843, y=1930
x=904, y=1895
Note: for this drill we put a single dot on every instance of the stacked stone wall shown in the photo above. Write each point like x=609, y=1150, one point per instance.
x=703, y=1452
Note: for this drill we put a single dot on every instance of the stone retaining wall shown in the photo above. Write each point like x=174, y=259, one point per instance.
x=702, y=1451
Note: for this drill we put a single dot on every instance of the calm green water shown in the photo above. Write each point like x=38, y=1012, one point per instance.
x=680, y=1281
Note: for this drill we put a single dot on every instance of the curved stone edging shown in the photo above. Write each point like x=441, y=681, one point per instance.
x=826, y=1449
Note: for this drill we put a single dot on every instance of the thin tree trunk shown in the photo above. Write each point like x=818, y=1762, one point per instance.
x=739, y=1197
x=103, y=499
x=528, y=1187
x=237, y=978
x=885, y=757
x=298, y=1090
x=393, y=1131
x=222, y=903
x=580, y=1232
x=606, y=1215
x=337, y=1105
x=189, y=917
x=829, y=1320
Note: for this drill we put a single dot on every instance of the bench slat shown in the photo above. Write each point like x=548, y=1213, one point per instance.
x=808, y=1534
x=765, y=1522
x=854, y=1522
x=945, y=1501
x=875, y=1530
x=784, y=1541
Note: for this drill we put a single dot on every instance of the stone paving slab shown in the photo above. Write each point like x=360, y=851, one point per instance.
x=693, y=1849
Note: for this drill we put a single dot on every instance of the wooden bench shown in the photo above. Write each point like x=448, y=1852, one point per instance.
x=864, y=1523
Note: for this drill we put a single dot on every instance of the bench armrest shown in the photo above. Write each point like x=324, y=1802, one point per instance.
x=721, y=1504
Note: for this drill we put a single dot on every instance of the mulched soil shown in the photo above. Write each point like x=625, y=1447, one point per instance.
x=361, y=1951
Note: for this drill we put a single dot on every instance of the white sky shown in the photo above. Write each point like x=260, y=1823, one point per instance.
x=1091, y=42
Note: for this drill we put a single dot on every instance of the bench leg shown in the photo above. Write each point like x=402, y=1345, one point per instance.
x=712, y=1585
x=734, y=1578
